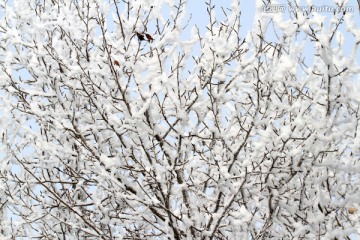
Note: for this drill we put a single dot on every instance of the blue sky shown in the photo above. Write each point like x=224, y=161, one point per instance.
x=197, y=9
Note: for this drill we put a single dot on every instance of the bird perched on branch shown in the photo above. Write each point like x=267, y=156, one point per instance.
x=116, y=63
x=149, y=37
x=140, y=36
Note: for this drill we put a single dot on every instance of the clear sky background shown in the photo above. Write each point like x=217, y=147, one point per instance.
x=199, y=16
x=197, y=10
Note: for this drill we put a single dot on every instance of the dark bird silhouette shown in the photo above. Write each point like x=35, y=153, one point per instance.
x=140, y=36
x=149, y=37
x=116, y=63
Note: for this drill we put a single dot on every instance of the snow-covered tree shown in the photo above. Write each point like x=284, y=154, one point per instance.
x=120, y=120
